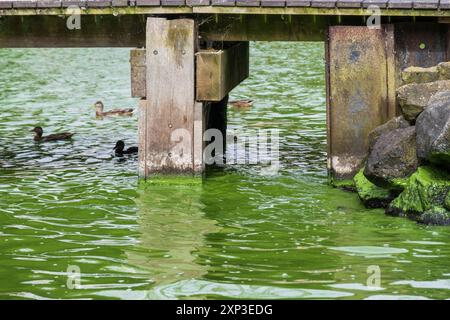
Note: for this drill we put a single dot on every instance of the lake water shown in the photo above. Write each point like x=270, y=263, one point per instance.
x=71, y=206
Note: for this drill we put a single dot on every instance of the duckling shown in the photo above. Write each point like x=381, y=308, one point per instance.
x=241, y=103
x=116, y=112
x=38, y=135
x=120, y=146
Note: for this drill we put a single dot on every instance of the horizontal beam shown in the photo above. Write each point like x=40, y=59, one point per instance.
x=52, y=32
x=129, y=30
x=225, y=10
x=220, y=71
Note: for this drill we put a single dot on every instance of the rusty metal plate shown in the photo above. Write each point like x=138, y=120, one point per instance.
x=357, y=86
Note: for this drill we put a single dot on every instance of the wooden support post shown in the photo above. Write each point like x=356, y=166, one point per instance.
x=171, y=128
x=138, y=73
x=358, y=96
x=215, y=117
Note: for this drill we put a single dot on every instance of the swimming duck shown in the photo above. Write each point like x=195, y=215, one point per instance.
x=99, y=107
x=38, y=135
x=120, y=146
x=241, y=103
x=116, y=112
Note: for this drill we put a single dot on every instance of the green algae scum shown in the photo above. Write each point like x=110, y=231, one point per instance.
x=237, y=234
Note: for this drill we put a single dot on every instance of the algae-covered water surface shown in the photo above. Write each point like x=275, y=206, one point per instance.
x=73, y=208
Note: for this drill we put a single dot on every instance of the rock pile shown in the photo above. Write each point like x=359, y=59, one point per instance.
x=407, y=170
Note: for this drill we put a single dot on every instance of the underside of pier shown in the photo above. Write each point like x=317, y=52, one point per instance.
x=188, y=58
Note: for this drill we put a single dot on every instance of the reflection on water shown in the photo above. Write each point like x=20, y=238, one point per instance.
x=171, y=222
x=238, y=234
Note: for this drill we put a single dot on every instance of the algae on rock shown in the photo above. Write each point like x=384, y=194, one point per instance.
x=370, y=194
x=425, y=193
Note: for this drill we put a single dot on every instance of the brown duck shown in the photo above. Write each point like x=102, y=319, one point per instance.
x=99, y=107
x=38, y=135
x=241, y=103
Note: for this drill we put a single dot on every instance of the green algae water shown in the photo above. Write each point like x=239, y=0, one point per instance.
x=72, y=206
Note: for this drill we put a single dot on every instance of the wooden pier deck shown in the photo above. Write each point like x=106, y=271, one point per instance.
x=291, y=7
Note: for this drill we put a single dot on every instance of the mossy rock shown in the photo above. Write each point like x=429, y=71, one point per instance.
x=435, y=216
x=347, y=184
x=370, y=194
x=425, y=193
x=447, y=201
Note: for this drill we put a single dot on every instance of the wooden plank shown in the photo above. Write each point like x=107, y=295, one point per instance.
x=426, y=4
x=265, y=28
x=98, y=3
x=248, y=3
x=119, y=3
x=24, y=4
x=170, y=107
x=49, y=4
x=358, y=93
x=173, y=3
x=219, y=71
x=273, y=3
x=147, y=3
x=444, y=4
x=323, y=3
x=6, y=4
x=298, y=3
x=194, y=3
x=51, y=32
x=400, y=4
x=379, y=3
x=223, y=3
x=138, y=73
x=71, y=3
x=349, y=3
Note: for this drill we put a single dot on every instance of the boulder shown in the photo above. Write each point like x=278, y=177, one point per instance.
x=443, y=70
x=420, y=75
x=424, y=197
x=370, y=194
x=435, y=216
x=395, y=123
x=433, y=131
x=392, y=157
x=413, y=98
x=447, y=201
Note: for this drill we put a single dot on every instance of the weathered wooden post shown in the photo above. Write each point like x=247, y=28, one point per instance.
x=170, y=128
x=183, y=91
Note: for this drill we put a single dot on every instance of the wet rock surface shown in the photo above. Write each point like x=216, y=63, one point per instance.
x=414, y=98
x=407, y=169
x=420, y=75
x=433, y=131
x=393, y=156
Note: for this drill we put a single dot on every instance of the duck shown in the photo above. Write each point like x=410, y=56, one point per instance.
x=241, y=103
x=99, y=107
x=38, y=135
x=120, y=149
